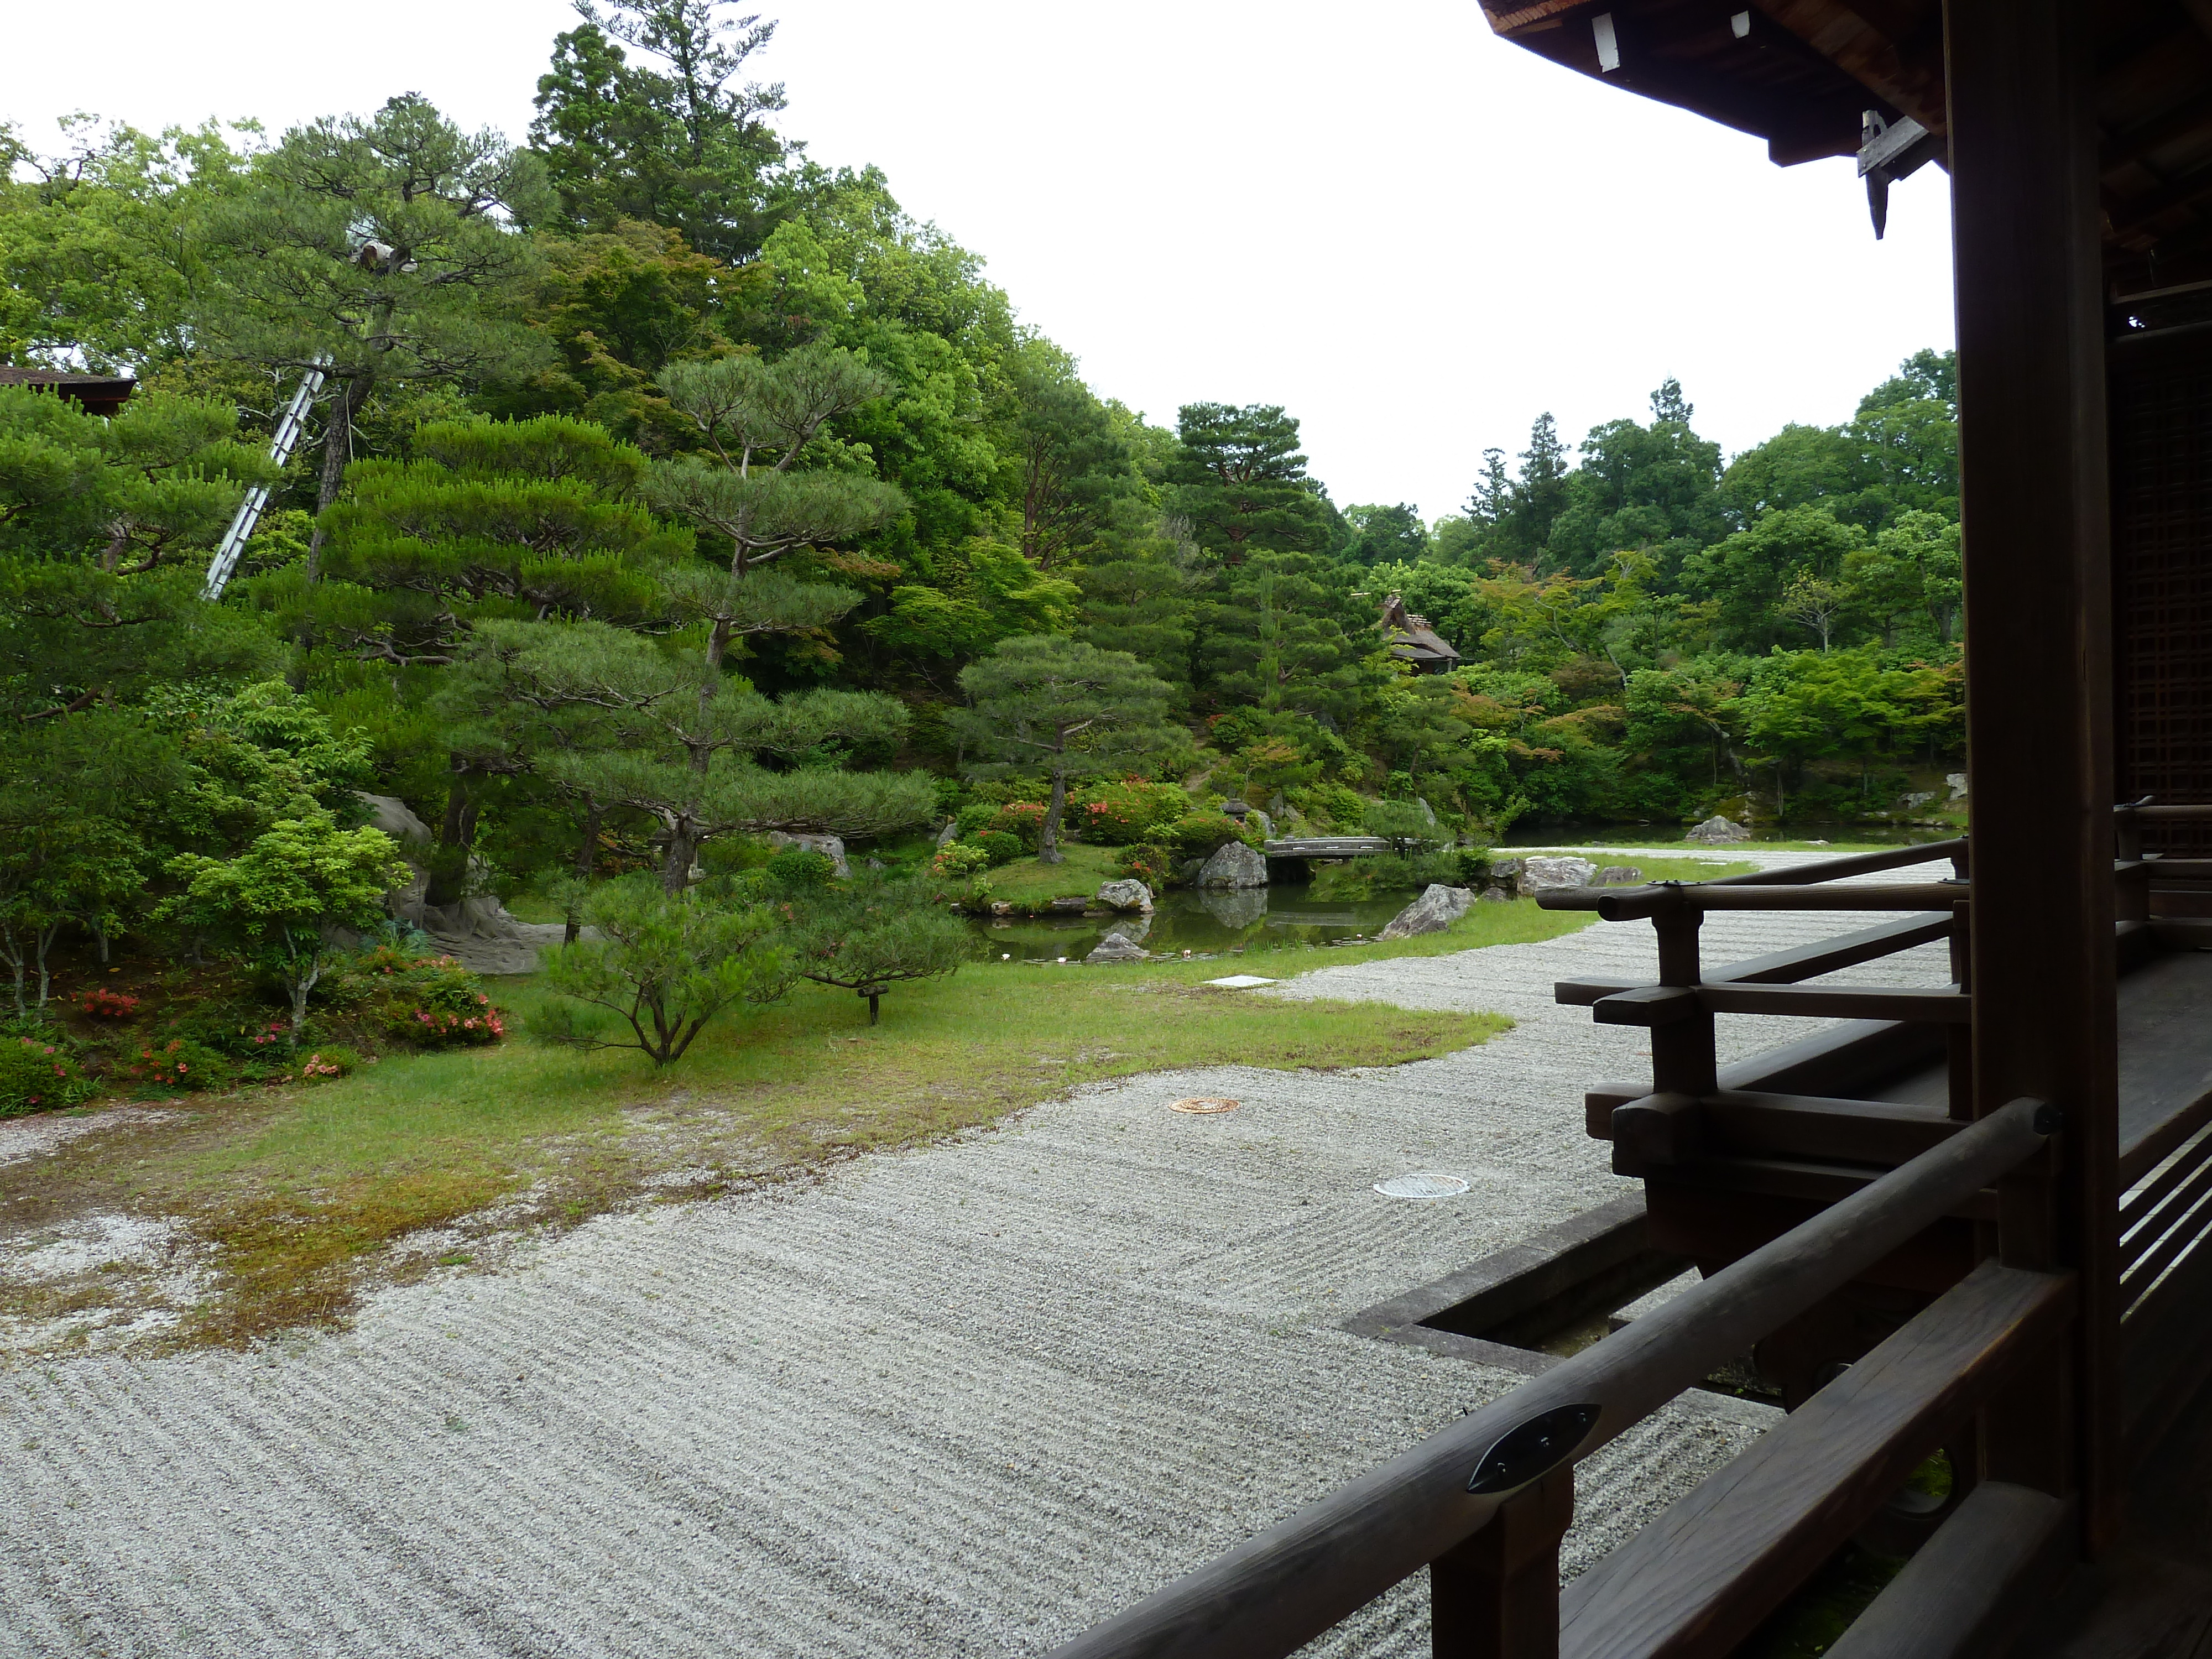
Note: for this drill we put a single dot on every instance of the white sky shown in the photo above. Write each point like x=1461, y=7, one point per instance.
x=1412, y=235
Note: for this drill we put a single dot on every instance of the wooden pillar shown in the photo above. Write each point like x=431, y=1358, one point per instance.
x=1497, y=1595
x=2039, y=697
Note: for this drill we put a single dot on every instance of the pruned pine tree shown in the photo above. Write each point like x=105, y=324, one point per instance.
x=875, y=935
x=758, y=417
x=379, y=250
x=104, y=531
x=1044, y=707
x=705, y=756
x=519, y=518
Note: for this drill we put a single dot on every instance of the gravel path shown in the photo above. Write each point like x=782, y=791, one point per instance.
x=963, y=1400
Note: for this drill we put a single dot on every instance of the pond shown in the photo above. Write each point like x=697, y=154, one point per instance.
x=1280, y=917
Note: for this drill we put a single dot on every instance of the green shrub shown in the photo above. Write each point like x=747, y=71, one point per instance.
x=37, y=1076
x=975, y=817
x=1025, y=821
x=1002, y=847
x=422, y=1001
x=1474, y=866
x=961, y=858
x=796, y=870
x=1148, y=862
x=1329, y=805
x=1199, y=834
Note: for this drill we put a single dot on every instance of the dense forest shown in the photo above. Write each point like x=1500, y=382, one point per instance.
x=666, y=488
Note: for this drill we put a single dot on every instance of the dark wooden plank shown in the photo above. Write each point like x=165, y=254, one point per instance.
x=1894, y=895
x=1513, y=1280
x=1497, y=1595
x=1901, y=1002
x=1847, y=950
x=2168, y=1358
x=1784, y=1177
x=1700, y=1577
x=1760, y=1124
x=1970, y=1589
x=2165, y=1071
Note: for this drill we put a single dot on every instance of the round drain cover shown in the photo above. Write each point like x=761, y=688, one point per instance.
x=1201, y=1105
x=1421, y=1186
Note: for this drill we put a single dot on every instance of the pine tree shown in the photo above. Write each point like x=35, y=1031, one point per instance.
x=379, y=251
x=1241, y=482
x=1049, y=707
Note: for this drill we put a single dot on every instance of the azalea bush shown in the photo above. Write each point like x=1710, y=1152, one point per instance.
x=1022, y=819
x=181, y=1063
x=101, y=1003
x=1124, y=813
x=1148, y=862
x=956, y=859
x=38, y=1076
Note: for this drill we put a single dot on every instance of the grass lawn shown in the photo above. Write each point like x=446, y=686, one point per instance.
x=293, y=1197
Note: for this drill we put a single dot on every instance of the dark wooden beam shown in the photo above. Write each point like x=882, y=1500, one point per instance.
x=2036, y=526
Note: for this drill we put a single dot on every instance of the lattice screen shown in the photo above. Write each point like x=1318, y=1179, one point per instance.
x=2162, y=436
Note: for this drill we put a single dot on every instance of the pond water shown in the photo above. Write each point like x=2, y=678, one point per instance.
x=1280, y=917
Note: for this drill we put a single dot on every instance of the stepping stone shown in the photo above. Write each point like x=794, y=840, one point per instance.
x=1240, y=981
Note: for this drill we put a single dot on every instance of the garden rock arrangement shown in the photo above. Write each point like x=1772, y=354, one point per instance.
x=1116, y=947
x=1545, y=875
x=478, y=931
x=1434, y=911
x=1235, y=864
x=1716, y=829
x=1128, y=894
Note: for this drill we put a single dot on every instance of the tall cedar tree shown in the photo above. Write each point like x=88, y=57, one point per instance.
x=686, y=145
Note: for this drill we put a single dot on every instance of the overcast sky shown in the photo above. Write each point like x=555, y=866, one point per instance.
x=1412, y=235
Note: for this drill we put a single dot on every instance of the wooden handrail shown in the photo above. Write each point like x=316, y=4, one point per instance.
x=1970, y=1588
x=1853, y=864
x=1783, y=967
x=1643, y=903
x=1270, y=1596
x=1702, y=1575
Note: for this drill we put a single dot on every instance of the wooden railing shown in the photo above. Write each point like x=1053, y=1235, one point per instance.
x=1483, y=1504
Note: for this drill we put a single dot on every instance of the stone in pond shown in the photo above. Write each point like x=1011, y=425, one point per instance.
x=1434, y=911
x=1234, y=907
x=1235, y=864
x=1115, y=947
x=1129, y=895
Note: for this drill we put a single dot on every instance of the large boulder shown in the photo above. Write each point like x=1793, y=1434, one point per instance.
x=1127, y=894
x=1234, y=907
x=1116, y=947
x=477, y=931
x=395, y=818
x=1255, y=819
x=831, y=846
x=948, y=833
x=1956, y=783
x=1618, y=875
x=1434, y=911
x=1235, y=864
x=1717, y=830
x=1544, y=875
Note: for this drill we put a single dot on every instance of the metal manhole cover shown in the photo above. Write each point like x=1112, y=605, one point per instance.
x=1421, y=1186
x=1201, y=1106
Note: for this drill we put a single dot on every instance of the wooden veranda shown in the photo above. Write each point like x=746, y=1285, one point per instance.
x=1977, y=1217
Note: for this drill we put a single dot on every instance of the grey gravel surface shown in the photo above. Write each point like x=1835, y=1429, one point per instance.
x=962, y=1400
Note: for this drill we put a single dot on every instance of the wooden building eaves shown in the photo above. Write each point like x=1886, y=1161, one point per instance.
x=1802, y=73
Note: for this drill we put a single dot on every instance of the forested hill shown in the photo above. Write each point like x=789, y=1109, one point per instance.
x=657, y=463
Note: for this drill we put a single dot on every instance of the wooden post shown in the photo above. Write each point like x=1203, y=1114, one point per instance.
x=1497, y=1594
x=1683, y=1059
x=2040, y=699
